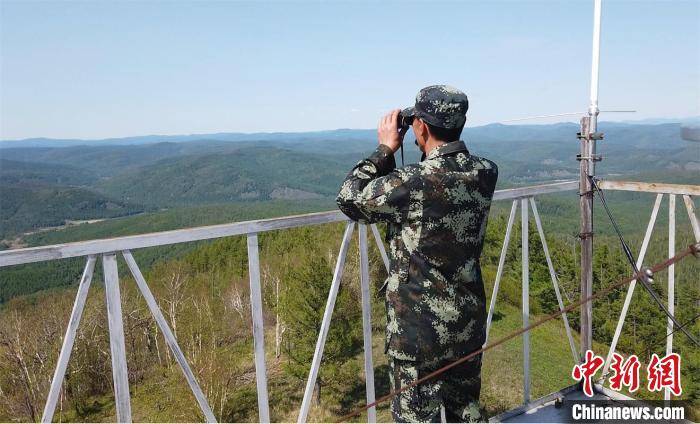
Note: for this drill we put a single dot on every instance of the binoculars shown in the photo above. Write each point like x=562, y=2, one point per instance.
x=405, y=120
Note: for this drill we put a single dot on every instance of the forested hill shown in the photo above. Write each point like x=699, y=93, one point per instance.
x=35, y=195
x=47, y=182
x=637, y=134
x=255, y=173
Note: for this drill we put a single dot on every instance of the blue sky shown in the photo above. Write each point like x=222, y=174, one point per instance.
x=110, y=69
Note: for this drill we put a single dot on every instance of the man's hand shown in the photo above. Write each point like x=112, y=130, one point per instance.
x=388, y=131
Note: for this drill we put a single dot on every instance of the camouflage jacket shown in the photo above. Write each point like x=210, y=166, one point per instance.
x=436, y=213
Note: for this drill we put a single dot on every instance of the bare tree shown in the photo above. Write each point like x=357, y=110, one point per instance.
x=24, y=365
x=237, y=302
x=175, y=296
x=268, y=279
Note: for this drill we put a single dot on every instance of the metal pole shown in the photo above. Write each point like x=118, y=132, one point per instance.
x=499, y=271
x=68, y=340
x=366, y=321
x=526, y=298
x=589, y=126
x=586, y=237
x=671, y=278
x=593, y=110
x=595, y=65
x=325, y=324
x=258, y=328
x=116, y=338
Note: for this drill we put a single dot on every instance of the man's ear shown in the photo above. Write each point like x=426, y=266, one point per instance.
x=424, y=130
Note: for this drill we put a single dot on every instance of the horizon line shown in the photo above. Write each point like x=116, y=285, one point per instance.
x=643, y=121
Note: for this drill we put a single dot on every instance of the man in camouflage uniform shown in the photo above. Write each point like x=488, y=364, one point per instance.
x=436, y=212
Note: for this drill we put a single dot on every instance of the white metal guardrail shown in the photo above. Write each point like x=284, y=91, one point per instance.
x=672, y=190
x=526, y=282
x=109, y=248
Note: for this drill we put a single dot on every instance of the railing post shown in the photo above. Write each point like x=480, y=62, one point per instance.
x=380, y=246
x=499, y=272
x=690, y=207
x=630, y=290
x=258, y=328
x=553, y=276
x=526, y=298
x=68, y=340
x=366, y=321
x=325, y=324
x=671, y=278
x=116, y=338
x=168, y=336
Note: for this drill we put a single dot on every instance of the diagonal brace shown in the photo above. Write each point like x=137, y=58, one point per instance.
x=168, y=335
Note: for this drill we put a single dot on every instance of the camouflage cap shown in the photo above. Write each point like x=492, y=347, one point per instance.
x=440, y=105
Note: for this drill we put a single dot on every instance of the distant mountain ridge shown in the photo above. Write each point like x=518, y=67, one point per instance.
x=94, y=180
x=492, y=130
x=148, y=139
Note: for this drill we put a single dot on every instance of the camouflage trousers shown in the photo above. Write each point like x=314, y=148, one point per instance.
x=456, y=389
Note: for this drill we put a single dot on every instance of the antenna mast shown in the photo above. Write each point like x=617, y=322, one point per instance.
x=589, y=135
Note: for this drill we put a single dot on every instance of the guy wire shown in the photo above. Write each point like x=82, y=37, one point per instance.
x=632, y=261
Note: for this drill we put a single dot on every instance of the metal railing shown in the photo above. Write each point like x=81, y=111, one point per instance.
x=526, y=282
x=109, y=248
x=672, y=190
x=660, y=189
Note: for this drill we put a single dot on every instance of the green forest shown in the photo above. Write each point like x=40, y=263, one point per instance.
x=63, y=180
x=204, y=295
